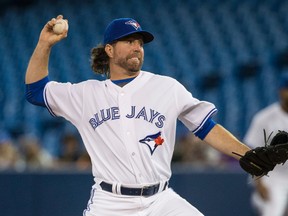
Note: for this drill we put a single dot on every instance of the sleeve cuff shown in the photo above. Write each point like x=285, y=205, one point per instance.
x=205, y=129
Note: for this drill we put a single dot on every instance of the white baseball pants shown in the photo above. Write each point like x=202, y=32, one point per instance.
x=165, y=203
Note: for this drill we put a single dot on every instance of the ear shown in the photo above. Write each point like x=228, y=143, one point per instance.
x=109, y=50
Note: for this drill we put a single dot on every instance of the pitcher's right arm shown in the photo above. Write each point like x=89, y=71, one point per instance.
x=38, y=65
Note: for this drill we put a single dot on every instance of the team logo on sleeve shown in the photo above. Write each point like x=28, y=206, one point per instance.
x=152, y=141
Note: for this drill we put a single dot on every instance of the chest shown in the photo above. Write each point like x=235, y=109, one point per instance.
x=146, y=105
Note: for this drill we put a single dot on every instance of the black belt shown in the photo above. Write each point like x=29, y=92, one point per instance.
x=144, y=191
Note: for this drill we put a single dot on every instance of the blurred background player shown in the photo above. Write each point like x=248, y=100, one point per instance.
x=270, y=196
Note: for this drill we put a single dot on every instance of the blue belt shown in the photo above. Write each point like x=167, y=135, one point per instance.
x=143, y=191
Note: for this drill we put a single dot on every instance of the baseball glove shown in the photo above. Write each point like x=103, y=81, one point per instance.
x=261, y=160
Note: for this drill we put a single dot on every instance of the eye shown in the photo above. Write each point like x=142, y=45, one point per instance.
x=129, y=41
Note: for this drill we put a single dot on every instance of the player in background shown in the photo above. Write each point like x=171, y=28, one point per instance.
x=270, y=196
x=127, y=122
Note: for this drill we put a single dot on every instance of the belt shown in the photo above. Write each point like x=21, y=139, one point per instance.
x=143, y=191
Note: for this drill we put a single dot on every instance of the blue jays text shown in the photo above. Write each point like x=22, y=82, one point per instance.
x=112, y=113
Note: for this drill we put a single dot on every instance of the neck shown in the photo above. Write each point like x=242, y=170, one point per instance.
x=123, y=75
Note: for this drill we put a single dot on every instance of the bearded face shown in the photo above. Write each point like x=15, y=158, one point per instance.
x=127, y=55
x=132, y=63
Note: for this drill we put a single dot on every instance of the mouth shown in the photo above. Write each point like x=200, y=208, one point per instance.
x=134, y=60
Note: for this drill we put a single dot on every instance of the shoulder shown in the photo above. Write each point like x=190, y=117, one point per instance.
x=271, y=109
x=80, y=88
x=79, y=84
x=92, y=82
x=158, y=77
x=268, y=112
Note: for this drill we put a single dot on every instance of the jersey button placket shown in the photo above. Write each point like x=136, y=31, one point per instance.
x=124, y=102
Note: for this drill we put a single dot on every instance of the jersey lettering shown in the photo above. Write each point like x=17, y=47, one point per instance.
x=132, y=114
x=108, y=114
x=142, y=113
x=113, y=114
x=160, y=122
x=153, y=115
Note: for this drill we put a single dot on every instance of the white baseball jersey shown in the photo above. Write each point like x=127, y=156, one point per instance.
x=272, y=119
x=129, y=132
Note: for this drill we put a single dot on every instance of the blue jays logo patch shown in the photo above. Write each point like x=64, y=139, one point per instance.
x=152, y=141
x=133, y=23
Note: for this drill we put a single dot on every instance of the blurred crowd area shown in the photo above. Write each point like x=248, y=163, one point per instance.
x=28, y=153
x=194, y=153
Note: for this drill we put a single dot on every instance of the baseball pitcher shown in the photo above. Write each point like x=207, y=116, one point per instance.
x=128, y=122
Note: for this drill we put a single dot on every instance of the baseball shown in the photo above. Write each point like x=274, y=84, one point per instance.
x=60, y=26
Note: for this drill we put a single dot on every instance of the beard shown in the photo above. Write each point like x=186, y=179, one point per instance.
x=131, y=63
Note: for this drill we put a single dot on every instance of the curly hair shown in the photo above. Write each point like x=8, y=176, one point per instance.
x=100, y=60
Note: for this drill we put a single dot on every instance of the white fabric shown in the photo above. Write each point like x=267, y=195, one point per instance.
x=112, y=121
x=272, y=119
x=166, y=203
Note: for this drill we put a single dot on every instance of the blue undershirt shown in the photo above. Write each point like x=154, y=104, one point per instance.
x=122, y=82
x=34, y=94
